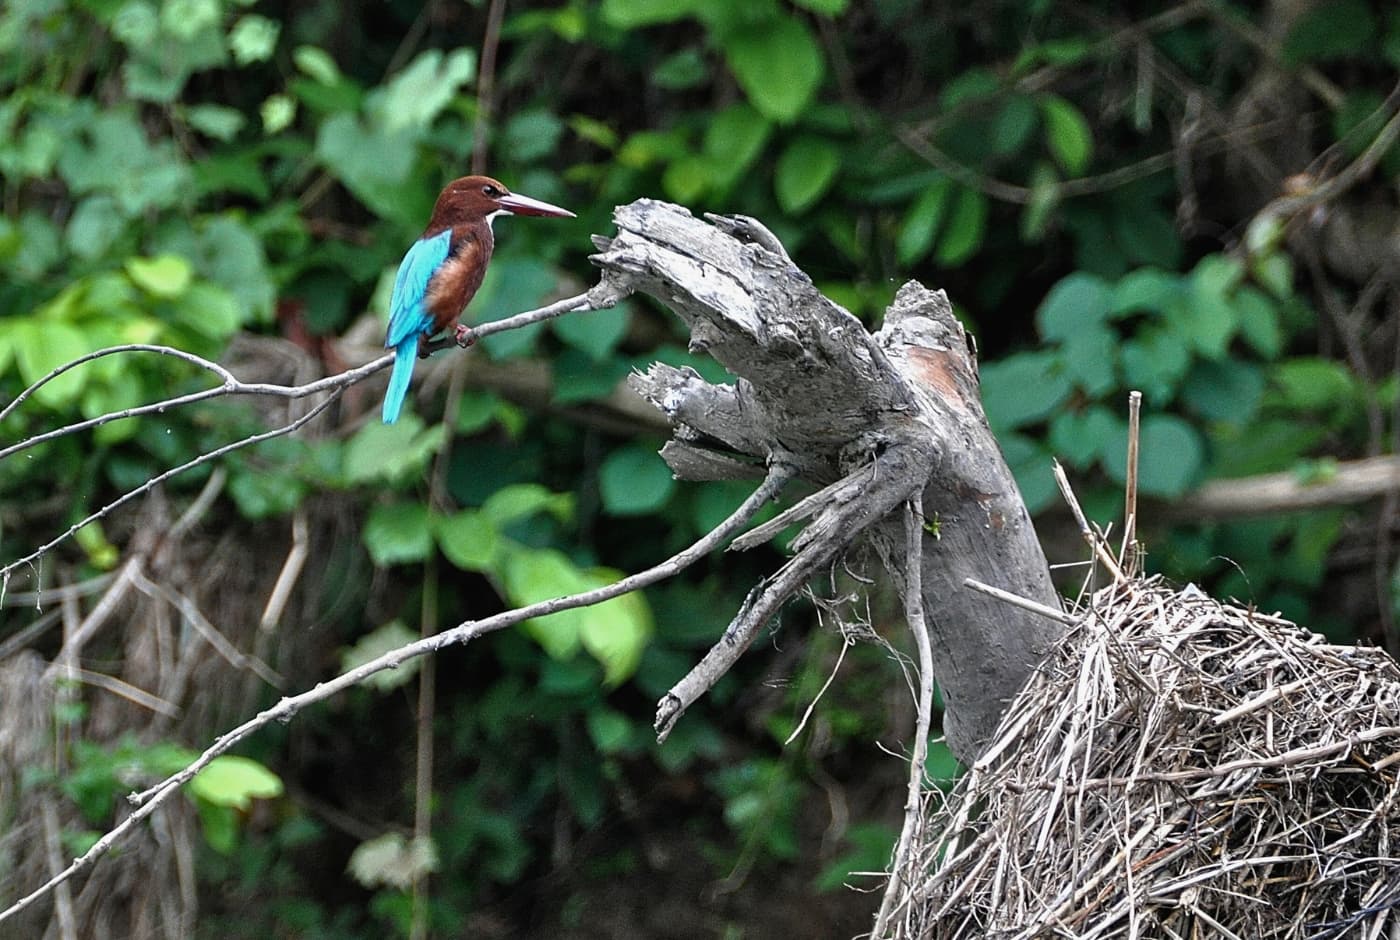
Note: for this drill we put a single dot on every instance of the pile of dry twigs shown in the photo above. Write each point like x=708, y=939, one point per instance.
x=1177, y=768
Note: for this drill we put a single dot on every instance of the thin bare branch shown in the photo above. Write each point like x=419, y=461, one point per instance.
x=1129, y=552
x=900, y=876
x=155, y=481
x=149, y=800
x=1024, y=603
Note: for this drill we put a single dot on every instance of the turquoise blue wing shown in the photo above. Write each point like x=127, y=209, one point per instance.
x=408, y=315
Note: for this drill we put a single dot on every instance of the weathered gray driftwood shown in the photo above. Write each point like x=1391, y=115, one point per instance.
x=873, y=421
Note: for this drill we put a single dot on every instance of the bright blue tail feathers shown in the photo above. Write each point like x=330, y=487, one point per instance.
x=405, y=354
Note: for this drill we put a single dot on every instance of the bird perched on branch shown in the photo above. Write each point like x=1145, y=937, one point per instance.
x=443, y=270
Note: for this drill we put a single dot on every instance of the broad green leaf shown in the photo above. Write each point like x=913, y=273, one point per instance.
x=1013, y=125
x=1170, y=454
x=685, y=69
x=824, y=7
x=1265, y=234
x=922, y=221
x=219, y=826
x=631, y=14
x=688, y=178
x=215, y=120
x=1217, y=275
x=1079, y=438
x=1089, y=355
x=166, y=276
x=1338, y=29
x=277, y=113
x=1206, y=315
x=1259, y=321
x=532, y=134
x=634, y=481
x=595, y=333
x=1313, y=384
x=398, y=533
x=96, y=224
x=1263, y=446
x=534, y=575
x=610, y=730
x=1044, y=199
x=392, y=861
x=136, y=24
x=43, y=345
x=733, y=140
x=235, y=781
x=316, y=63
x=391, y=452
x=778, y=64
x=1068, y=134
x=616, y=632
x=391, y=636
x=469, y=539
x=229, y=253
x=1145, y=289
x=372, y=162
x=1227, y=391
x=970, y=85
x=1274, y=273
x=209, y=311
x=804, y=172
x=184, y=19
x=101, y=553
x=522, y=500
x=1154, y=362
x=253, y=38
x=578, y=377
x=475, y=411
x=261, y=494
x=1079, y=301
x=967, y=223
x=1023, y=388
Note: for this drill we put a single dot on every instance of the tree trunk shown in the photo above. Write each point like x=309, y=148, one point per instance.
x=874, y=420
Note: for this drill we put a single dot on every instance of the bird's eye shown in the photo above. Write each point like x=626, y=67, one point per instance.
x=492, y=191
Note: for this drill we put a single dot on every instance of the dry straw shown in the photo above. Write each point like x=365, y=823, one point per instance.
x=1177, y=768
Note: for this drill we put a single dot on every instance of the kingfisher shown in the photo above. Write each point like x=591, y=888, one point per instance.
x=443, y=270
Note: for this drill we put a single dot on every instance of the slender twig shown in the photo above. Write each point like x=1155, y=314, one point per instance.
x=230, y=386
x=598, y=298
x=913, y=801
x=486, y=86
x=423, y=769
x=288, y=576
x=846, y=643
x=1335, y=186
x=1129, y=550
x=211, y=634
x=64, y=914
x=126, y=690
x=1096, y=544
x=155, y=481
x=147, y=801
x=1024, y=603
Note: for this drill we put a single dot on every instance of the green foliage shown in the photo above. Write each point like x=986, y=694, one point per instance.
x=179, y=173
x=99, y=777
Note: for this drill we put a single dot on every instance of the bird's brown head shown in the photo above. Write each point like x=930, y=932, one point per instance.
x=476, y=198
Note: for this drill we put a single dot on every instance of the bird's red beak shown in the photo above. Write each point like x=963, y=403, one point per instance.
x=524, y=205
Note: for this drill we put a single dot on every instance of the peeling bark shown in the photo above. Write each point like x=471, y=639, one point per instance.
x=876, y=420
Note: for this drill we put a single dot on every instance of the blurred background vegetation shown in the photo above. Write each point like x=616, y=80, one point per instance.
x=1096, y=190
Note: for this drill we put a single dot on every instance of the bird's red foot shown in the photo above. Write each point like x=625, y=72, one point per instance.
x=464, y=336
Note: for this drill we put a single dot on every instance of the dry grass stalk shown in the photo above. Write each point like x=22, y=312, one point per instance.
x=1177, y=768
